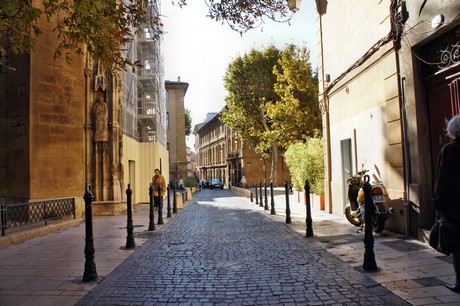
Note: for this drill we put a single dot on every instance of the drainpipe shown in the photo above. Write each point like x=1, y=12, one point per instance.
x=325, y=108
x=405, y=143
x=398, y=10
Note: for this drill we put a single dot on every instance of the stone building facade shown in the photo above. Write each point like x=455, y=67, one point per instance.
x=220, y=154
x=385, y=97
x=178, y=163
x=67, y=125
x=42, y=122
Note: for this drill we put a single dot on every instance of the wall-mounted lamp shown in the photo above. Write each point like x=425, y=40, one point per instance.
x=437, y=21
x=294, y=5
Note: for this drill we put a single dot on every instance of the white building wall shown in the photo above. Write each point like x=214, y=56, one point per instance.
x=354, y=26
x=364, y=99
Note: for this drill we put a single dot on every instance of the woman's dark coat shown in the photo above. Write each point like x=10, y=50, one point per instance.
x=447, y=184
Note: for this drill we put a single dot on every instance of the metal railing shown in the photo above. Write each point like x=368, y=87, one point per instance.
x=23, y=214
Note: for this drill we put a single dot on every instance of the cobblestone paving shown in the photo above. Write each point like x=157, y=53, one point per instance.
x=220, y=251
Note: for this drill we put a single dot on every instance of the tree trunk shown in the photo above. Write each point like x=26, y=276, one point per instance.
x=274, y=168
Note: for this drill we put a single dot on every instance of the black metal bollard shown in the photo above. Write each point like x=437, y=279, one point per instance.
x=169, y=215
x=90, y=273
x=3, y=218
x=272, y=202
x=151, y=213
x=288, y=207
x=307, y=204
x=160, y=207
x=260, y=189
x=252, y=200
x=129, y=227
x=174, y=200
x=369, y=256
x=257, y=196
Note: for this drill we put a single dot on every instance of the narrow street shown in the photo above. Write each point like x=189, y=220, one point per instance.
x=220, y=250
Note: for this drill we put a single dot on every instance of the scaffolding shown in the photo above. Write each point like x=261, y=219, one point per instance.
x=144, y=100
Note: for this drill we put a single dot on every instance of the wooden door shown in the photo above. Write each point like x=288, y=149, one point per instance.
x=443, y=104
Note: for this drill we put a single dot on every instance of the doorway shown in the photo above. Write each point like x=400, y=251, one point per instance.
x=443, y=103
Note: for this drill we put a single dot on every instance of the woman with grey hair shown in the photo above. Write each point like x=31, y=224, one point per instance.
x=446, y=189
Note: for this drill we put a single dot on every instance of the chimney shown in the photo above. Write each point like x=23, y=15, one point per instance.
x=178, y=79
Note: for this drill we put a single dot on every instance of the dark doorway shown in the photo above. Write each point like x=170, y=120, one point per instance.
x=443, y=100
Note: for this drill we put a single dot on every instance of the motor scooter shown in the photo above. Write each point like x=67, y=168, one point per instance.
x=354, y=210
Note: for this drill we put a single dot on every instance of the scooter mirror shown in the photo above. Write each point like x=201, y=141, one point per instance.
x=378, y=171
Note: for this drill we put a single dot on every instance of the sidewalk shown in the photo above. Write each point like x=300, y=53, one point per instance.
x=407, y=267
x=48, y=270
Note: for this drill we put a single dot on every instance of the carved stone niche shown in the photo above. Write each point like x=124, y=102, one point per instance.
x=106, y=144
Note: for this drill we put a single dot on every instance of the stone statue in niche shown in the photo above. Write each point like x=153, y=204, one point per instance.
x=101, y=120
x=100, y=81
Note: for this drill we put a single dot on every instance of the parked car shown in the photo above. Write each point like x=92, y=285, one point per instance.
x=204, y=184
x=216, y=183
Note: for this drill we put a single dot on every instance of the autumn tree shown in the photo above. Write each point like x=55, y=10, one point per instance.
x=97, y=27
x=296, y=113
x=272, y=99
x=250, y=84
x=102, y=27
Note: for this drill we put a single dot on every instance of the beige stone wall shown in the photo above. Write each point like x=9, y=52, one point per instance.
x=350, y=29
x=56, y=128
x=364, y=111
x=140, y=161
x=176, y=129
x=254, y=169
x=15, y=125
x=364, y=105
x=44, y=158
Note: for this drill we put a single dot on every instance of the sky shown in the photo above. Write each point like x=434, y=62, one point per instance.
x=198, y=50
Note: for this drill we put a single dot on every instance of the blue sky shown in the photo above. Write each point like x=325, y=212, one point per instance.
x=198, y=49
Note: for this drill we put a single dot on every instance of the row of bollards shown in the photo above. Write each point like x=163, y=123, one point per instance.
x=287, y=188
x=369, y=263
x=90, y=273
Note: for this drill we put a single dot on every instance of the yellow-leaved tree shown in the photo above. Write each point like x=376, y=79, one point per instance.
x=272, y=99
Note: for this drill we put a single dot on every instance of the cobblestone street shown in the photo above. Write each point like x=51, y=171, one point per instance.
x=220, y=250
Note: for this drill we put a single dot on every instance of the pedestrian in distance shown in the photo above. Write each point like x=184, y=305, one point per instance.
x=243, y=182
x=158, y=181
x=181, y=183
x=446, y=202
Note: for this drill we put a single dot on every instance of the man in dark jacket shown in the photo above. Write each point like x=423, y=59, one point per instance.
x=447, y=188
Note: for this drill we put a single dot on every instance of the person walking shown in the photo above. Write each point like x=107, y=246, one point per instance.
x=158, y=181
x=446, y=203
x=243, y=182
